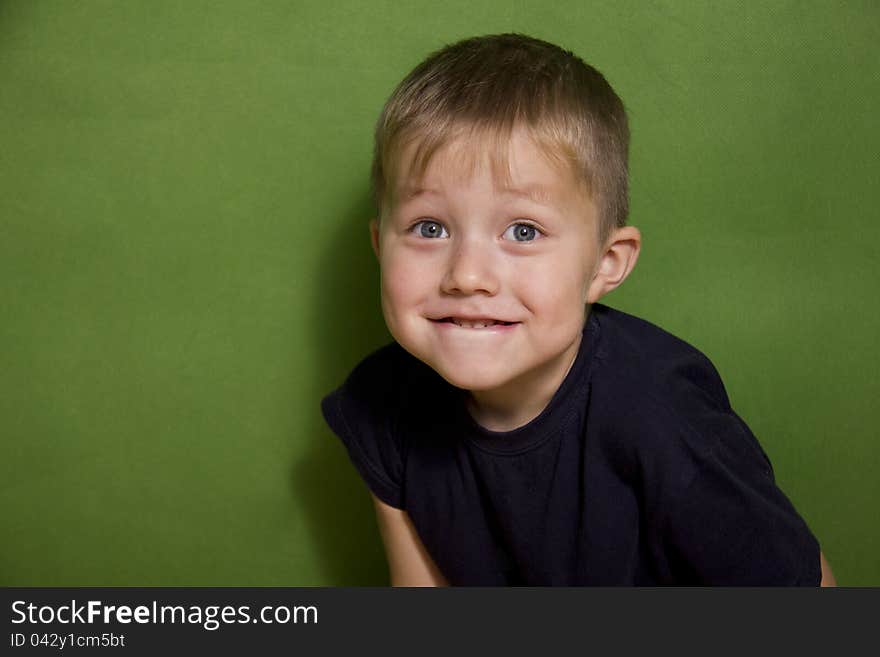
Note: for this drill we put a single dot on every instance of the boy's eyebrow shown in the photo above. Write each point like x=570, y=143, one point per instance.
x=407, y=193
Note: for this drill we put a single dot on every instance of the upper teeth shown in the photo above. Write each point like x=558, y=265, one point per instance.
x=477, y=323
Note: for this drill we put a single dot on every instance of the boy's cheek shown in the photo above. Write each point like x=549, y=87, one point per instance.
x=402, y=296
x=403, y=266
x=403, y=283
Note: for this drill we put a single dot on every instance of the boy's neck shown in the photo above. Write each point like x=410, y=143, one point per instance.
x=523, y=399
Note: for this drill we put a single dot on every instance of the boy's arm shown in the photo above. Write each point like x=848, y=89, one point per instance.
x=827, y=575
x=409, y=563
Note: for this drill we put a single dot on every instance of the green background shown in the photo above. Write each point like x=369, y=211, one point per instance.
x=185, y=267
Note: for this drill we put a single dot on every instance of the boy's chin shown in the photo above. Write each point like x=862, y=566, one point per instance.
x=472, y=379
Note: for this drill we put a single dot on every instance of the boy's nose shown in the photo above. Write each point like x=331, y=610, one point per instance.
x=470, y=271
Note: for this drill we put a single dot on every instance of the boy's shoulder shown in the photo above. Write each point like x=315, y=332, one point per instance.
x=659, y=401
x=643, y=360
x=386, y=379
x=642, y=338
x=390, y=365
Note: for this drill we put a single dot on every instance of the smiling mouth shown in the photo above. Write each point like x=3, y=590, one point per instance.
x=473, y=323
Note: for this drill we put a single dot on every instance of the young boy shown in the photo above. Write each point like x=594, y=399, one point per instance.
x=517, y=432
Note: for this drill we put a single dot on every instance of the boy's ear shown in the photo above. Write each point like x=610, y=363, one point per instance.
x=621, y=253
x=374, y=235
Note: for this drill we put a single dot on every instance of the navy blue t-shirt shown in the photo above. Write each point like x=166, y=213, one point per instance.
x=637, y=472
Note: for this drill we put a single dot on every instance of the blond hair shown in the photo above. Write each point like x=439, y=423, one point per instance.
x=489, y=85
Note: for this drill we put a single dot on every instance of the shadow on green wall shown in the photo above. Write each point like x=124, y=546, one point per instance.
x=335, y=502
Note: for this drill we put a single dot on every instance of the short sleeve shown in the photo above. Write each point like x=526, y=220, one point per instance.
x=731, y=525
x=362, y=413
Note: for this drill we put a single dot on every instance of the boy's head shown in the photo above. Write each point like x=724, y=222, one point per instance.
x=500, y=178
x=486, y=87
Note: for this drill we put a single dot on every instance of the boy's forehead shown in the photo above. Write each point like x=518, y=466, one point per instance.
x=519, y=166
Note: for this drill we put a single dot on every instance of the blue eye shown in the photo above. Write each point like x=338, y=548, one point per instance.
x=430, y=229
x=521, y=233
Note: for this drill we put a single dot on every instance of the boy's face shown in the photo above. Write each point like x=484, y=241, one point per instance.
x=483, y=283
